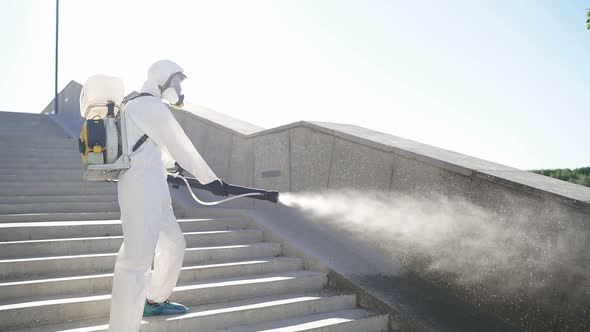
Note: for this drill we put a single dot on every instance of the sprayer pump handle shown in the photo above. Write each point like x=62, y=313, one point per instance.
x=179, y=171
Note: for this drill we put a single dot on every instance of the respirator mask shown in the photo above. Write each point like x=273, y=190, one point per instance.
x=172, y=90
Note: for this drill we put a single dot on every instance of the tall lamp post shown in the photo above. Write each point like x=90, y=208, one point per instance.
x=56, y=102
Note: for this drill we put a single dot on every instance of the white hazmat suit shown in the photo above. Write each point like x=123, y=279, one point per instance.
x=149, y=225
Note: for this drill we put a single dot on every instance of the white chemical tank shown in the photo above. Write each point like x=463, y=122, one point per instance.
x=98, y=90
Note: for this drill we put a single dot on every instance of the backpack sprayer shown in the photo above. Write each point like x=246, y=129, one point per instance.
x=103, y=142
x=103, y=138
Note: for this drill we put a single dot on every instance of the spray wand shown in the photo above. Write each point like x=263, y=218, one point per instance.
x=177, y=178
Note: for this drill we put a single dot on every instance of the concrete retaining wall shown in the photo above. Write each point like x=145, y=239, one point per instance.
x=307, y=156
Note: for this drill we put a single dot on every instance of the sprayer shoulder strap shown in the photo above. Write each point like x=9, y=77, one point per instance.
x=145, y=137
x=143, y=94
x=140, y=142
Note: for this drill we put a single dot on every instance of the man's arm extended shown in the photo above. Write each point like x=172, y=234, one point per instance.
x=156, y=120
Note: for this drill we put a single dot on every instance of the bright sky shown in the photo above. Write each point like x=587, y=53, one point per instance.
x=505, y=81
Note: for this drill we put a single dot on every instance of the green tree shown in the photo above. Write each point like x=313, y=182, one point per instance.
x=588, y=19
x=579, y=176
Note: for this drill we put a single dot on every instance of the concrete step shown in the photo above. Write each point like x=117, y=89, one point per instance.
x=34, y=129
x=71, y=183
x=56, y=154
x=29, y=290
x=41, y=164
x=32, y=217
x=20, y=178
x=46, y=171
x=36, y=149
x=347, y=320
x=94, y=245
x=40, y=167
x=63, y=188
x=16, y=122
x=230, y=315
x=55, y=161
x=71, y=265
x=225, y=315
x=26, y=125
x=57, y=199
x=29, y=133
x=75, y=183
x=53, y=155
x=23, y=118
x=20, y=122
x=67, y=149
x=27, y=145
x=61, y=207
x=52, y=164
x=26, y=140
x=20, y=116
x=14, y=167
x=26, y=132
x=95, y=228
x=56, y=310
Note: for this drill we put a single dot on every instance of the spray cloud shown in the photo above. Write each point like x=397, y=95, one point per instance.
x=454, y=237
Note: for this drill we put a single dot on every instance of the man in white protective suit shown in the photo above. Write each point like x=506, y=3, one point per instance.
x=149, y=225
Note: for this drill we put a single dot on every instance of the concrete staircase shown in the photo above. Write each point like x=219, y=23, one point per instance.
x=59, y=237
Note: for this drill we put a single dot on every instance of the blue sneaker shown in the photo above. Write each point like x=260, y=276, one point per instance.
x=164, y=308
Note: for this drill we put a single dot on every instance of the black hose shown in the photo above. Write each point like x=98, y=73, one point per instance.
x=231, y=189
